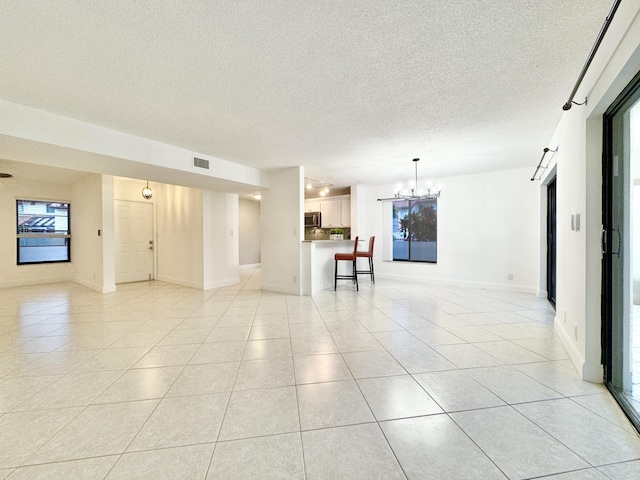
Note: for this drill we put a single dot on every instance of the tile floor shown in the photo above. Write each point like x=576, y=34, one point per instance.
x=398, y=381
x=634, y=395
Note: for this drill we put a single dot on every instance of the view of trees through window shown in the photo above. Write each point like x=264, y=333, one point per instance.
x=415, y=230
x=43, y=233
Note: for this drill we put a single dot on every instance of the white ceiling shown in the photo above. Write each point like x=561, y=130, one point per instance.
x=28, y=172
x=352, y=90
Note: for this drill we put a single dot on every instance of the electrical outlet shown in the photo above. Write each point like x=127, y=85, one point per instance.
x=510, y=276
x=575, y=332
x=295, y=279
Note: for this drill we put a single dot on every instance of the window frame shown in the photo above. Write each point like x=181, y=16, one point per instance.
x=411, y=203
x=44, y=234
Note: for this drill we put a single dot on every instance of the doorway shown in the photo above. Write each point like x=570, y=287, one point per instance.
x=551, y=242
x=621, y=250
x=134, y=239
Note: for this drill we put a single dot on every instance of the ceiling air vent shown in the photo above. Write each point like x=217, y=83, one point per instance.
x=200, y=163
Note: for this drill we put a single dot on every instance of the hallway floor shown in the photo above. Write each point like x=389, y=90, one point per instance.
x=397, y=381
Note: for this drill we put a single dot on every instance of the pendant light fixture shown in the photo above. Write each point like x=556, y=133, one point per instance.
x=147, y=193
x=412, y=193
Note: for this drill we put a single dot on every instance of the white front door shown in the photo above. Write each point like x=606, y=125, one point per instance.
x=134, y=241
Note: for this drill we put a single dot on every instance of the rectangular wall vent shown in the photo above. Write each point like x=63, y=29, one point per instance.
x=200, y=162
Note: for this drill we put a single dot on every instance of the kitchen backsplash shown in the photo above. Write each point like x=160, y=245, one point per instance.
x=323, y=233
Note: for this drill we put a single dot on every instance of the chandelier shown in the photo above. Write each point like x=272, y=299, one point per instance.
x=413, y=193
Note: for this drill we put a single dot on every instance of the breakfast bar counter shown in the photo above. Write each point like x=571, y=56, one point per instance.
x=318, y=264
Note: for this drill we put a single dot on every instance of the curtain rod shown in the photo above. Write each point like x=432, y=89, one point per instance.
x=592, y=54
x=544, y=152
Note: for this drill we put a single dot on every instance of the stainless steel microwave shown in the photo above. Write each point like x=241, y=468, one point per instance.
x=312, y=219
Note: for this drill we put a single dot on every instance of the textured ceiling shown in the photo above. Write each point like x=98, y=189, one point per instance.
x=26, y=172
x=352, y=90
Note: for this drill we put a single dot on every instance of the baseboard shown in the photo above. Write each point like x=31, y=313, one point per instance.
x=222, y=283
x=180, y=281
x=593, y=373
x=38, y=281
x=98, y=287
x=250, y=265
x=460, y=283
x=543, y=294
x=278, y=288
x=588, y=372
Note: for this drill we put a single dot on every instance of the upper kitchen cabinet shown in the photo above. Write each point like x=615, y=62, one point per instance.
x=345, y=212
x=312, y=205
x=336, y=212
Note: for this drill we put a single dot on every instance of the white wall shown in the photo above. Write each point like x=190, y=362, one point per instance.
x=579, y=184
x=220, y=241
x=196, y=233
x=31, y=135
x=487, y=230
x=282, y=230
x=249, y=232
x=86, y=220
x=108, y=239
x=12, y=274
x=179, y=243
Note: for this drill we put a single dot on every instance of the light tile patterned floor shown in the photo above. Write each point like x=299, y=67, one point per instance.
x=398, y=381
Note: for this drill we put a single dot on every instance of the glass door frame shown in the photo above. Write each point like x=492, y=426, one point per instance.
x=607, y=244
x=552, y=243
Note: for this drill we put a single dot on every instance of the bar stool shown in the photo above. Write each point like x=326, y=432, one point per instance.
x=368, y=254
x=350, y=257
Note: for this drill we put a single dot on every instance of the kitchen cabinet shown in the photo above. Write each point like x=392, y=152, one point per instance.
x=330, y=211
x=311, y=206
x=336, y=212
x=345, y=212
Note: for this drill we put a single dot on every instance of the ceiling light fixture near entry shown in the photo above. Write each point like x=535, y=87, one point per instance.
x=147, y=193
x=257, y=196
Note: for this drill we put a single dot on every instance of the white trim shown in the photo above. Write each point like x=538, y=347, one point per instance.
x=588, y=372
x=461, y=283
x=542, y=294
x=278, y=288
x=249, y=266
x=222, y=283
x=179, y=281
x=37, y=281
x=593, y=373
x=95, y=285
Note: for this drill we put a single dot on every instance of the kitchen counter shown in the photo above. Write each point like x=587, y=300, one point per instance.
x=318, y=263
x=329, y=241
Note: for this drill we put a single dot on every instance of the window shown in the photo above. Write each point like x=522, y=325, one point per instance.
x=415, y=230
x=43, y=234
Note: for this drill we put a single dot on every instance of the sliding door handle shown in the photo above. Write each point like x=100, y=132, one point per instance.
x=617, y=231
x=603, y=241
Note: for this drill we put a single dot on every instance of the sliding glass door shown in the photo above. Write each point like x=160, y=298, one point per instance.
x=621, y=249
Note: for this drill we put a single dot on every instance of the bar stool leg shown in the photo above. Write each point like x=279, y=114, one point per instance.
x=335, y=277
x=355, y=275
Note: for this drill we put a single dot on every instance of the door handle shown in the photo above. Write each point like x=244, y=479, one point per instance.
x=617, y=231
x=603, y=241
